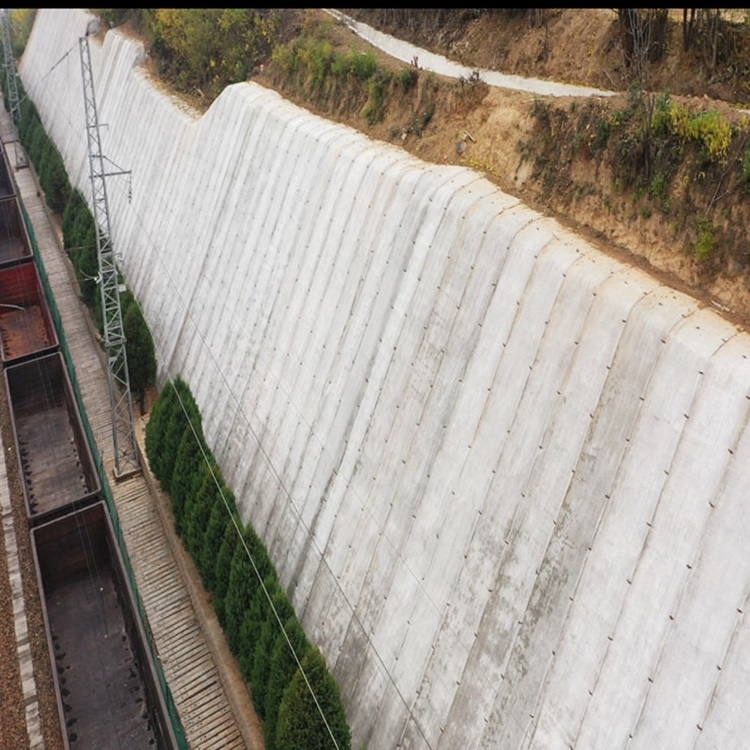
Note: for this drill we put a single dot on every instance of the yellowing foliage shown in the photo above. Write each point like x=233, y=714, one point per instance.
x=213, y=47
x=709, y=128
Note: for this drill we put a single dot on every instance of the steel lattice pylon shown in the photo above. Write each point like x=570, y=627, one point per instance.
x=123, y=430
x=10, y=75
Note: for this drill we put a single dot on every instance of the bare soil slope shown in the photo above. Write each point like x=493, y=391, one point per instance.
x=499, y=132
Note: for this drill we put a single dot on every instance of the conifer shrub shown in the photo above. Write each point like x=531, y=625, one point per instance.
x=156, y=429
x=184, y=416
x=139, y=346
x=223, y=568
x=213, y=536
x=281, y=611
x=252, y=623
x=232, y=567
x=250, y=565
x=199, y=511
x=300, y=723
x=289, y=647
x=53, y=178
x=189, y=473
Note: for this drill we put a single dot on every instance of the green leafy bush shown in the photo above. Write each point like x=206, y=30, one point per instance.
x=706, y=239
x=708, y=128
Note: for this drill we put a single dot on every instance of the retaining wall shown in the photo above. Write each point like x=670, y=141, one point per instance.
x=503, y=476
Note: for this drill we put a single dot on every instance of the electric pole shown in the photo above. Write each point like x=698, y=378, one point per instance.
x=121, y=405
x=10, y=75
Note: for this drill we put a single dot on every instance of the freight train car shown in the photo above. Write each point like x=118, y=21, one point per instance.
x=55, y=460
x=7, y=188
x=15, y=246
x=105, y=681
x=26, y=326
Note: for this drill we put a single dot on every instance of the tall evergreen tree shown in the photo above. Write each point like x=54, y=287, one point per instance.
x=156, y=429
x=300, y=722
x=189, y=474
x=223, y=568
x=289, y=648
x=270, y=628
x=212, y=539
x=250, y=565
x=184, y=414
x=140, y=349
x=252, y=624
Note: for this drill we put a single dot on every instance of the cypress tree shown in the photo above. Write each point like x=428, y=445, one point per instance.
x=156, y=428
x=140, y=349
x=184, y=414
x=244, y=580
x=37, y=139
x=74, y=206
x=189, y=474
x=300, y=724
x=198, y=513
x=222, y=570
x=252, y=623
x=268, y=631
x=283, y=666
x=240, y=592
x=212, y=539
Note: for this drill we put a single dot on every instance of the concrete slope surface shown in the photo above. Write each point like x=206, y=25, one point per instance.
x=504, y=477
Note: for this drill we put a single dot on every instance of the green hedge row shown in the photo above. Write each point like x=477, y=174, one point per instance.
x=236, y=568
x=79, y=239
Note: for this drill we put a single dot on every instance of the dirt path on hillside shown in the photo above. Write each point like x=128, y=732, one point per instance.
x=487, y=129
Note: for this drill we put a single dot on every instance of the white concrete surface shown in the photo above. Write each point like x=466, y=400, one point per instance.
x=503, y=476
